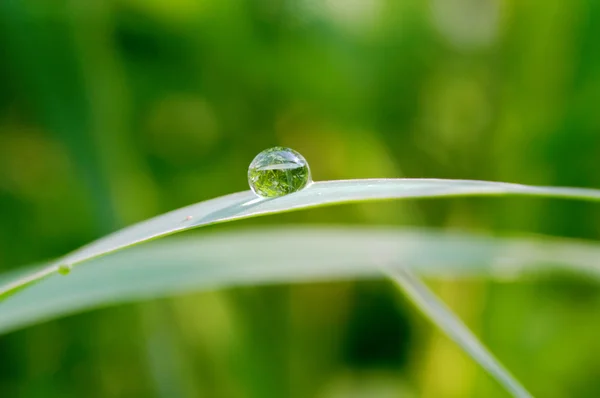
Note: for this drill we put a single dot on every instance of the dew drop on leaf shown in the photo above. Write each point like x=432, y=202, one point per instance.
x=64, y=269
x=277, y=172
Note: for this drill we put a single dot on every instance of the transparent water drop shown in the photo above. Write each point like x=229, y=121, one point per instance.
x=278, y=171
x=64, y=269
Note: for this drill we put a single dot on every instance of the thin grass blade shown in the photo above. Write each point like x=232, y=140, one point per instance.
x=246, y=204
x=442, y=317
x=184, y=264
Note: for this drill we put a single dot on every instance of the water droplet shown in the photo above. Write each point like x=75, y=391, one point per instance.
x=278, y=171
x=64, y=269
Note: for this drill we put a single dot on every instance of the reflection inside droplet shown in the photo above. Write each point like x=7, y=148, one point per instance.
x=277, y=172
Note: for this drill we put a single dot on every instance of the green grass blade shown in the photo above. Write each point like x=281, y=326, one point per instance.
x=441, y=316
x=246, y=204
x=184, y=264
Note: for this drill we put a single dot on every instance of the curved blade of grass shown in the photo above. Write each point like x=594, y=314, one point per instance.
x=191, y=263
x=246, y=204
x=441, y=316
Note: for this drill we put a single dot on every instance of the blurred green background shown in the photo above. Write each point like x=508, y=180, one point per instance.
x=115, y=111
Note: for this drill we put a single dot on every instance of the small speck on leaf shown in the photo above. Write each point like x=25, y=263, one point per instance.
x=64, y=269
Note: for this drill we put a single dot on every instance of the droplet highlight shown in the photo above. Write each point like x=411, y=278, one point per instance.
x=277, y=172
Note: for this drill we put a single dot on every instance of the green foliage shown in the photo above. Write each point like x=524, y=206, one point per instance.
x=115, y=112
x=187, y=263
x=244, y=205
x=240, y=205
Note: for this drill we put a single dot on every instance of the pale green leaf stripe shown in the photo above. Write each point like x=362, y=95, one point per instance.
x=245, y=205
x=284, y=255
